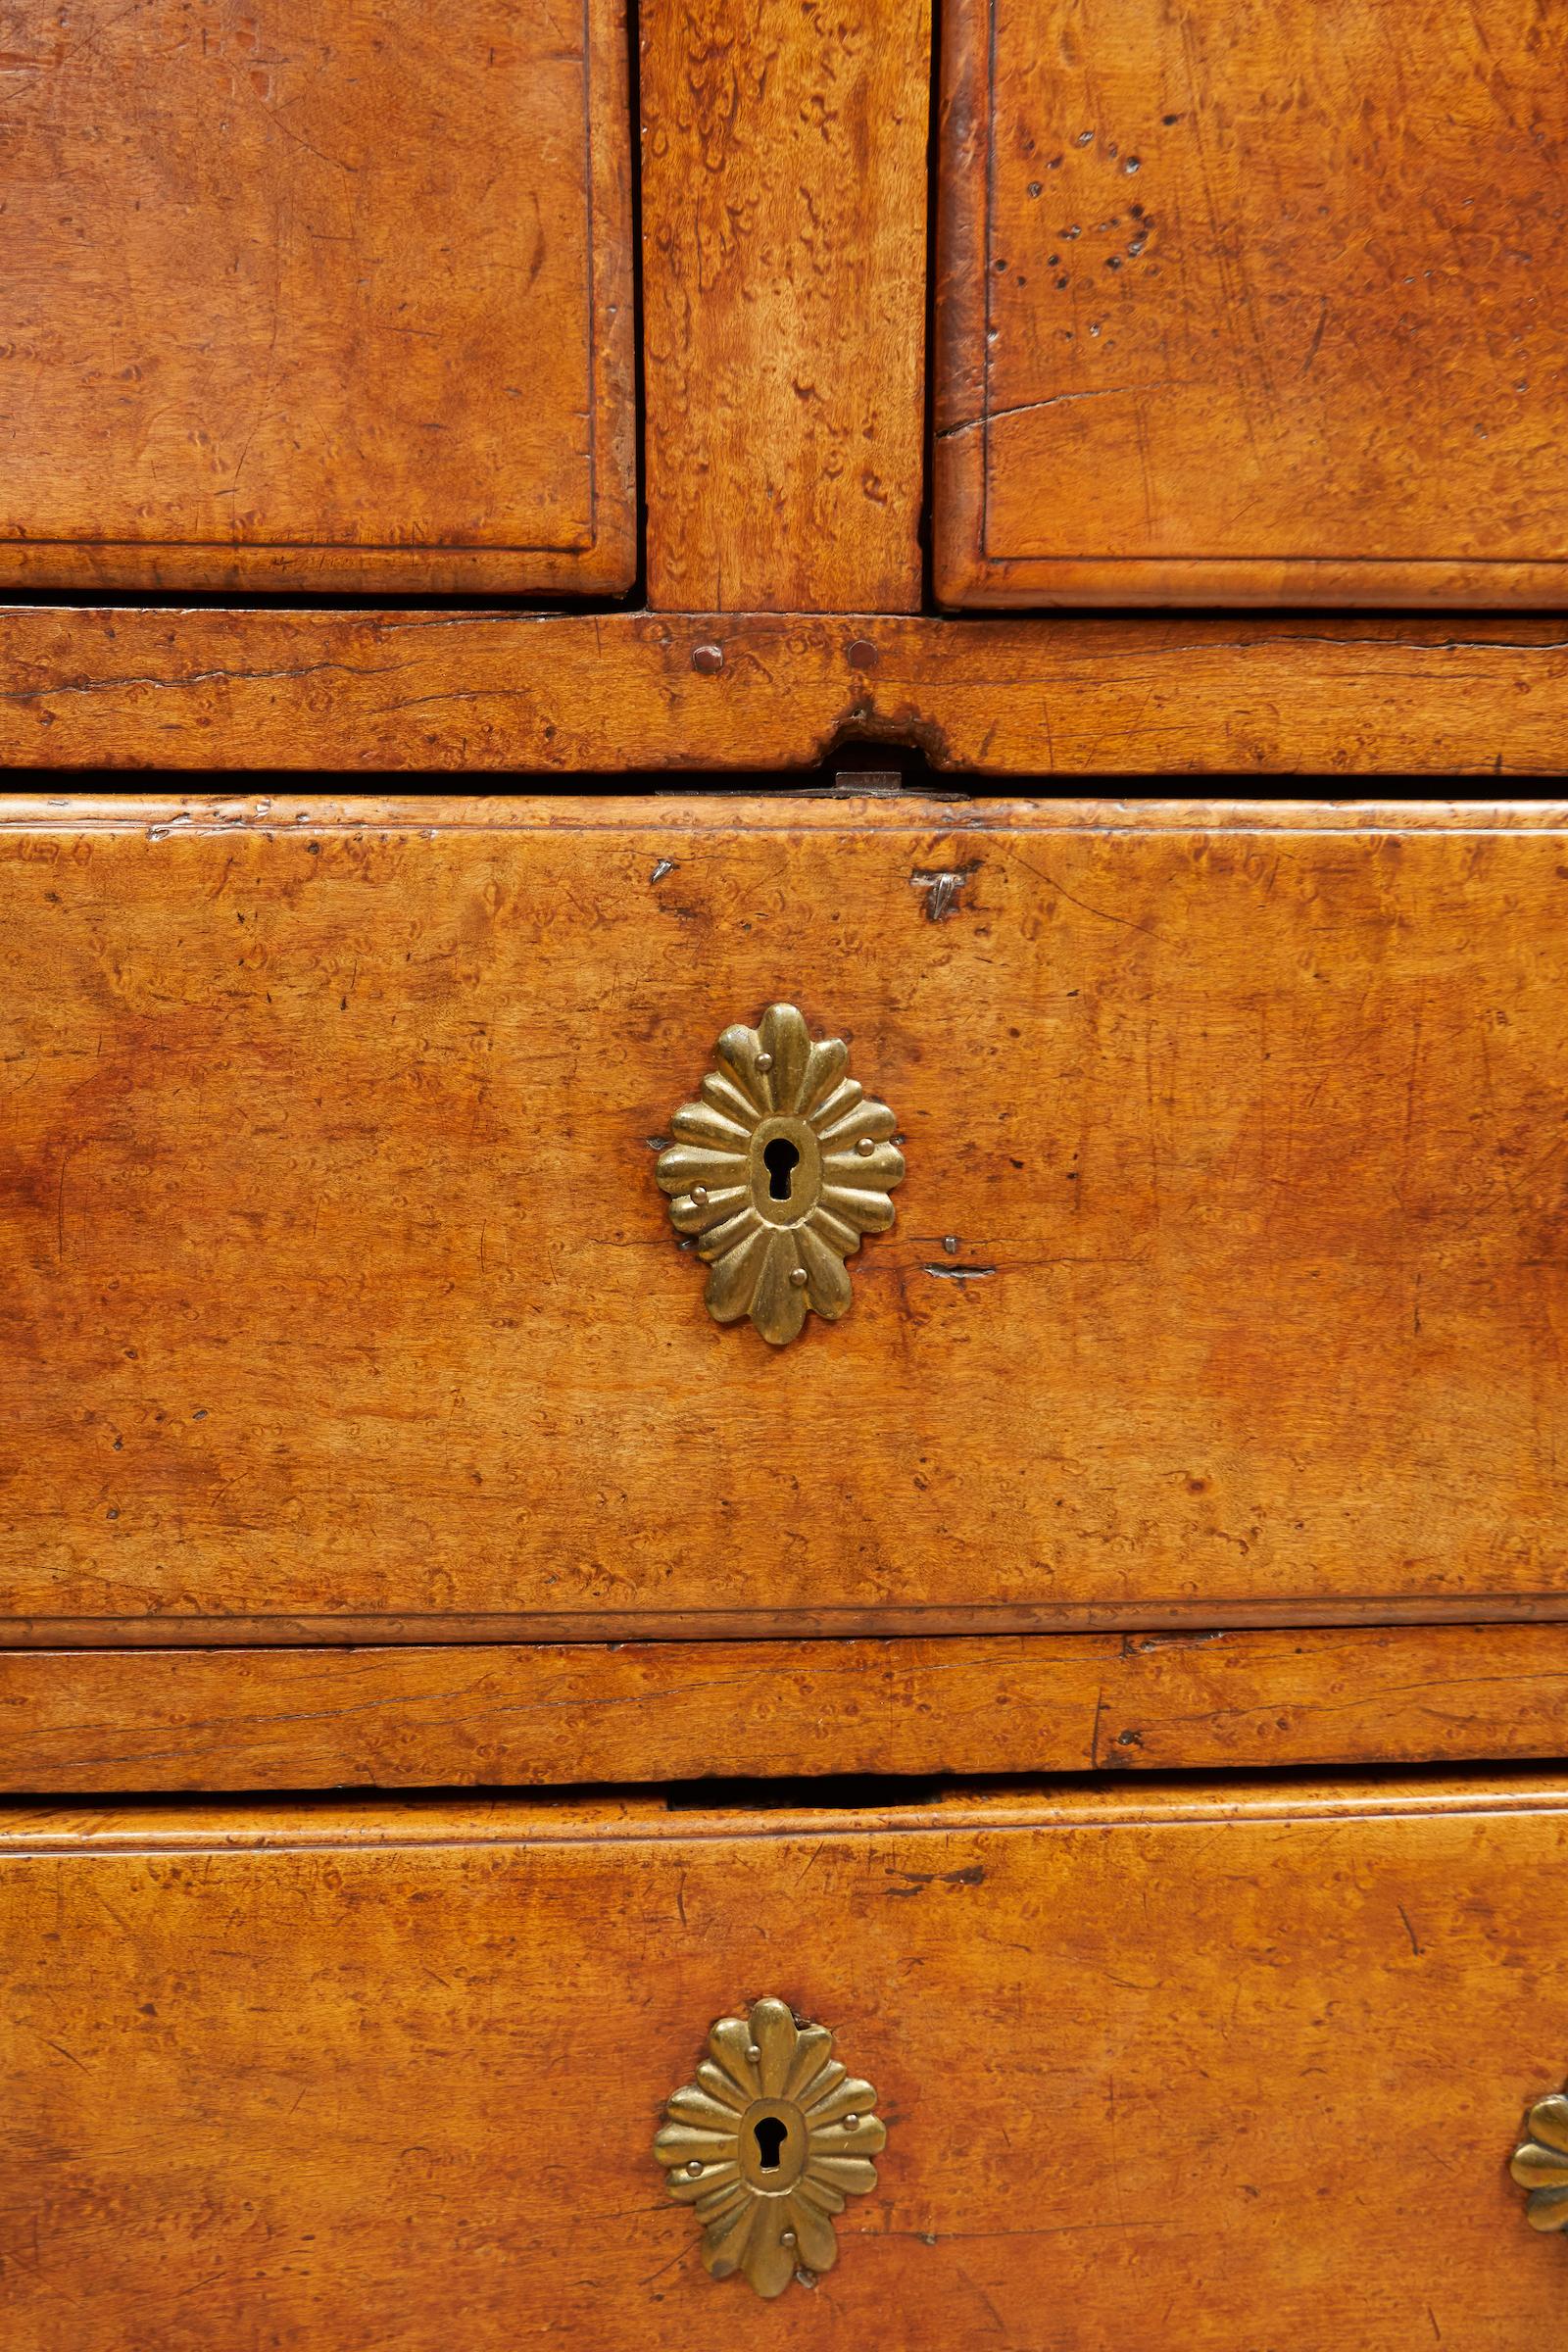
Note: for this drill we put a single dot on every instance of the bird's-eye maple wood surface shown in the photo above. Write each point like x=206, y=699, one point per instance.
x=784, y=190
x=1253, y=301
x=1193, y=696
x=1229, y=1278
x=1252, y=2061
x=502, y=1714
x=338, y=297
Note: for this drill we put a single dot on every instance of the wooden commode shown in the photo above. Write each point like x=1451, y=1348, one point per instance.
x=783, y=1177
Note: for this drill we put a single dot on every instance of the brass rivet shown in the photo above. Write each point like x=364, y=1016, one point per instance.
x=797, y=1276
x=708, y=660
x=752, y=2052
x=695, y=2167
x=865, y=1147
x=699, y=1194
x=852, y=2123
x=786, y=2238
x=765, y=1061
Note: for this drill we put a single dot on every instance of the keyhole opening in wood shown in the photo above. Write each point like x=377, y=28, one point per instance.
x=770, y=2135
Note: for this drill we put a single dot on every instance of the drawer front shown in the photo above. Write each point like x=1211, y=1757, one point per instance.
x=335, y=302
x=1228, y=1280
x=1253, y=301
x=1251, y=2069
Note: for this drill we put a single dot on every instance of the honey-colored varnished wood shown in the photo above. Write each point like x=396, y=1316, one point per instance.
x=1202, y=697
x=1252, y=301
x=366, y=2076
x=340, y=299
x=420, y=1716
x=866, y=801
x=1227, y=1284
x=784, y=251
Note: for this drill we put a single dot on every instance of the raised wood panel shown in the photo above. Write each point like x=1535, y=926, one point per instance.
x=1228, y=1282
x=1253, y=301
x=560, y=694
x=785, y=200
x=1250, y=2065
x=501, y=1714
x=339, y=298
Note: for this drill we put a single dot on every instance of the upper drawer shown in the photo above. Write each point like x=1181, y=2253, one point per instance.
x=1254, y=300
x=330, y=299
x=1229, y=1276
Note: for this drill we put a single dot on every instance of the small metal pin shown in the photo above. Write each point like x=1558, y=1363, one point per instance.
x=798, y=1277
x=852, y=2123
x=699, y=1194
x=695, y=2167
x=865, y=1147
x=765, y=1061
x=786, y=2238
x=752, y=2052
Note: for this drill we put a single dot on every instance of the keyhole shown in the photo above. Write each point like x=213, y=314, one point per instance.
x=770, y=2134
x=781, y=1159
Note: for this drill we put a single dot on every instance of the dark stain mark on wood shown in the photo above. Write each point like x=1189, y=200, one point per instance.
x=916, y=1880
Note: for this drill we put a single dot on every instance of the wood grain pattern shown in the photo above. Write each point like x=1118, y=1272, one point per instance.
x=334, y=300
x=1229, y=1274
x=784, y=237
x=346, y=2076
x=855, y=800
x=419, y=1717
x=1221, y=698
x=1253, y=301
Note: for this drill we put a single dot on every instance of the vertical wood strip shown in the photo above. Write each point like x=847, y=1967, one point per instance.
x=784, y=227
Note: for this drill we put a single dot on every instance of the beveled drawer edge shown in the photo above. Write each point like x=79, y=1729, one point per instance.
x=320, y=1825
x=780, y=808
x=1220, y=1614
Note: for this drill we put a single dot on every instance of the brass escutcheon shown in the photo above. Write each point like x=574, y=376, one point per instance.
x=778, y=1171
x=767, y=2144
x=1540, y=2163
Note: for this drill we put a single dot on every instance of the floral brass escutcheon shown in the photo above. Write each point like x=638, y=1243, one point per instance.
x=1540, y=2163
x=767, y=2144
x=778, y=1171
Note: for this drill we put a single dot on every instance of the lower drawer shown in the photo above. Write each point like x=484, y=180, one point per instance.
x=1235, y=2068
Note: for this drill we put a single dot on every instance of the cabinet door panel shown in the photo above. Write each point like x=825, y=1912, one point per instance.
x=335, y=297
x=1252, y=300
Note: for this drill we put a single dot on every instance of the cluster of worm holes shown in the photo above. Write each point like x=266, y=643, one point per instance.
x=1141, y=220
